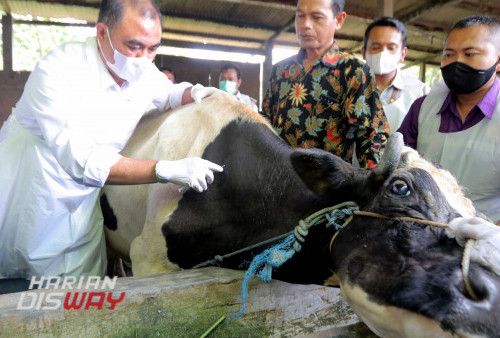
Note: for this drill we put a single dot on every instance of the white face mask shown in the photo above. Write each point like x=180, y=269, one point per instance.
x=125, y=67
x=383, y=62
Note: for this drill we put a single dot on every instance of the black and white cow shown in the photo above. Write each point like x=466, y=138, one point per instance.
x=385, y=267
x=401, y=277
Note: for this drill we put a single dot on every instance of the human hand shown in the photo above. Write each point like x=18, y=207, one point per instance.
x=198, y=92
x=192, y=172
x=486, y=249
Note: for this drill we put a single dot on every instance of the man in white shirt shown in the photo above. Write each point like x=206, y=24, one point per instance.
x=62, y=141
x=230, y=81
x=384, y=47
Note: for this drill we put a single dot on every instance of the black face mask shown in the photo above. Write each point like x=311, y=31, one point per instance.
x=463, y=79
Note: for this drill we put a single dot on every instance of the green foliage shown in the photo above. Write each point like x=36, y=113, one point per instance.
x=432, y=73
x=31, y=42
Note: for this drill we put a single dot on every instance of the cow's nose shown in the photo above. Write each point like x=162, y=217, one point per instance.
x=484, y=283
x=482, y=314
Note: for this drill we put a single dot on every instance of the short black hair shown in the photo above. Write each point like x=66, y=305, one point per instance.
x=231, y=66
x=480, y=20
x=168, y=69
x=386, y=21
x=337, y=6
x=111, y=11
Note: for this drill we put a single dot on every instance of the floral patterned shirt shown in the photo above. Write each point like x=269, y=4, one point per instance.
x=334, y=105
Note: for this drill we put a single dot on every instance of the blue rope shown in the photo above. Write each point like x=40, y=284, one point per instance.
x=339, y=214
x=263, y=264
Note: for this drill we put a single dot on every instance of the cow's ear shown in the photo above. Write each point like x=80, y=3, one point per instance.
x=322, y=172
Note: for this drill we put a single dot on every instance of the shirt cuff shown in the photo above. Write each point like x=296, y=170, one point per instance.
x=98, y=165
x=175, y=99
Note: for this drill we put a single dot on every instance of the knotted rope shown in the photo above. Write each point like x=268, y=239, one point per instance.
x=263, y=264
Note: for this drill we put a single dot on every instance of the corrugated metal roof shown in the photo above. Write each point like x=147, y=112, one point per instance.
x=250, y=23
x=49, y=10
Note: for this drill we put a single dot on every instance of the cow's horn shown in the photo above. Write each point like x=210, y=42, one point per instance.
x=391, y=156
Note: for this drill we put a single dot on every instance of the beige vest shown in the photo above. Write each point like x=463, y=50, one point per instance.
x=472, y=155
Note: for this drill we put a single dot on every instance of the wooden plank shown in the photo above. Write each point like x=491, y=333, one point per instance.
x=187, y=303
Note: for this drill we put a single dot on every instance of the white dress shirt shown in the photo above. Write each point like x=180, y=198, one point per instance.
x=252, y=103
x=57, y=148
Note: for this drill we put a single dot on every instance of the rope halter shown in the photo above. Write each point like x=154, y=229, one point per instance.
x=337, y=216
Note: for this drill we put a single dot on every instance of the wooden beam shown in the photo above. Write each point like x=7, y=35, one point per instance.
x=7, y=37
x=287, y=26
x=212, y=36
x=234, y=23
x=428, y=61
x=53, y=23
x=417, y=48
x=92, y=4
x=488, y=9
x=266, y=3
x=222, y=48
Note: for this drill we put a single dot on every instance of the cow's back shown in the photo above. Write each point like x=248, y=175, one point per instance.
x=176, y=134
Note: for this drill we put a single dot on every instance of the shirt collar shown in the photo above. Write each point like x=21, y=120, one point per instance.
x=487, y=104
x=97, y=65
x=398, y=81
x=489, y=101
x=329, y=59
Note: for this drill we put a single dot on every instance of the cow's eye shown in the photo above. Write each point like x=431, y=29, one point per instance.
x=400, y=188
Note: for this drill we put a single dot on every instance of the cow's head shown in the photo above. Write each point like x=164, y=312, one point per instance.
x=402, y=278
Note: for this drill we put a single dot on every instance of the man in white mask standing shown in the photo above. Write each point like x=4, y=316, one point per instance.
x=61, y=144
x=384, y=48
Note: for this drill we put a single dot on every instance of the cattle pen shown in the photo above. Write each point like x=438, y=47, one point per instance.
x=186, y=303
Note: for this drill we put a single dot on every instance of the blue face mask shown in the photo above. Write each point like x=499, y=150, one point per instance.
x=228, y=86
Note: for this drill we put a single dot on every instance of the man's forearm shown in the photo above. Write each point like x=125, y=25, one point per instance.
x=132, y=171
x=186, y=96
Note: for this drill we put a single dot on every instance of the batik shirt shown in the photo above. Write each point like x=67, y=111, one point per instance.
x=333, y=105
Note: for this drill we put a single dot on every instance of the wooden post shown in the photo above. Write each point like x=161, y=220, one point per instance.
x=422, y=71
x=268, y=67
x=7, y=42
x=386, y=8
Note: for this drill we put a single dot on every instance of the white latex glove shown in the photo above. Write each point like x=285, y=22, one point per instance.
x=198, y=92
x=192, y=172
x=486, y=249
